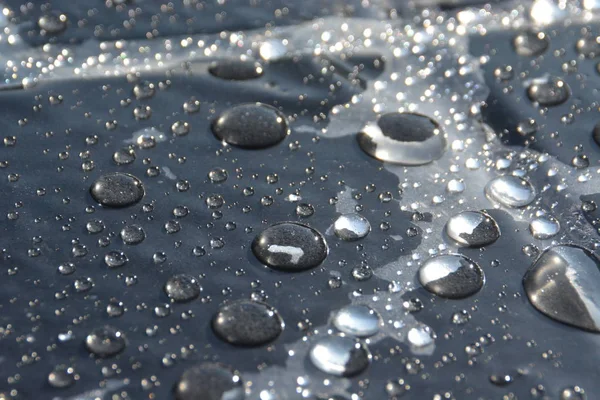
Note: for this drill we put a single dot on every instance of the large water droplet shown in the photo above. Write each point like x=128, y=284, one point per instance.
x=105, y=342
x=61, y=377
x=182, y=288
x=403, y=138
x=510, y=191
x=451, y=276
x=251, y=126
x=473, y=228
x=357, y=320
x=351, y=227
x=52, y=23
x=133, y=234
x=563, y=284
x=544, y=227
x=236, y=69
x=340, y=355
x=290, y=246
x=531, y=44
x=210, y=381
x=548, y=92
x=117, y=190
x=247, y=323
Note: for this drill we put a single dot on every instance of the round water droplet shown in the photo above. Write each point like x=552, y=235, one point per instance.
x=531, y=44
x=563, y=284
x=251, y=126
x=588, y=46
x=472, y=228
x=117, y=190
x=236, y=69
x=217, y=175
x=544, y=227
x=182, y=288
x=144, y=90
x=451, y=276
x=305, y=210
x=290, y=246
x=357, y=320
x=61, y=377
x=124, y=156
x=403, y=138
x=180, y=128
x=351, y=227
x=133, y=234
x=210, y=381
x=105, y=342
x=510, y=191
x=340, y=355
x=53, y=24
x=247, y=323
x=115, y=259
x=548, y=92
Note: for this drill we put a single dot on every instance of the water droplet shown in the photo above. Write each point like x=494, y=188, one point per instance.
x=180, y=128
x=133, y=234
x=573, y=393
x=217, y=175
x=52, y=23
x=510, y=191
x=247, y=323
x=124, y=156
x=67, y=268
x=210, y=381
x=403, y=138
x=357, y=320
x=473, y=228
x=340, y=355
x=117, y=190
x=563, y=284
x=105, y=342
x=236, y=69
x=61, y=377
x=144, y=90
x=451, y=276
x=115, y=259
x=531, y=44
x=351, y=227
x=588, y=46
x=290, y=246
x=548, y=92
x=191, y=106
x=251, y=126
x=182, y=288
x=304, y=210
x=580, y=161
x=544, y=227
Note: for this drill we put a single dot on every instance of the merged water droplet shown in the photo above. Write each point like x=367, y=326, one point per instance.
x=473, y=228
x=247, y=323
x=290, y=246
x=544, y=227
x=105, y=342
x=251, y=126
x=452, y=276
x=117, y=190
x=510, y=191
x=182, y=288
x=210, y=381
x=403, y=138
x=531, y=44
x=340, y=355
x=357, y=320
x=563, y=284
x=351, y=227
x=236, y=69
x=548, y=92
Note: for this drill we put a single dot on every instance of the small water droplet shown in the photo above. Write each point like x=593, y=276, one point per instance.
x=105, y=342
x=531, y=44
x=351, y=227
x=182, y=288
x=340, y=355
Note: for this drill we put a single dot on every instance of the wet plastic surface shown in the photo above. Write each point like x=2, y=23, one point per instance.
x=61, y=134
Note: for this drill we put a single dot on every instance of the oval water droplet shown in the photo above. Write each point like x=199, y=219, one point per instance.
x=236, y=69
x=105, y=342
x=563, y=284
x=544, y=227
x=251, y=126
x=531, y=44
x=247, y=323
x=290, y=246
x=548, y=92
x=53, y=23
x=117, y=190
x=451, y=276
x=340, y=355
x=61, y=377
x=357, y=320
x=133, y=234
x=403, y=138
x=473, y=228
x=510, y=191
x=351, y=227
x=182, y=288
x=210, y=381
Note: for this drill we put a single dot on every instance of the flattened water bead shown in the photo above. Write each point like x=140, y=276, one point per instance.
x=544, y=227
x=452, y=276
x=247, y=323
x=357, y=320
x=251, y=126
x=210, y=381
x=472, y=228
x=117, y=190
x=548, y=92
x=340, y=355
x=403, y=138
x=182, y=288
x=351, y=227
x=105, y=342
x=290, y=246
x=563, y=284
x=531, y=44
x=510, y=191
